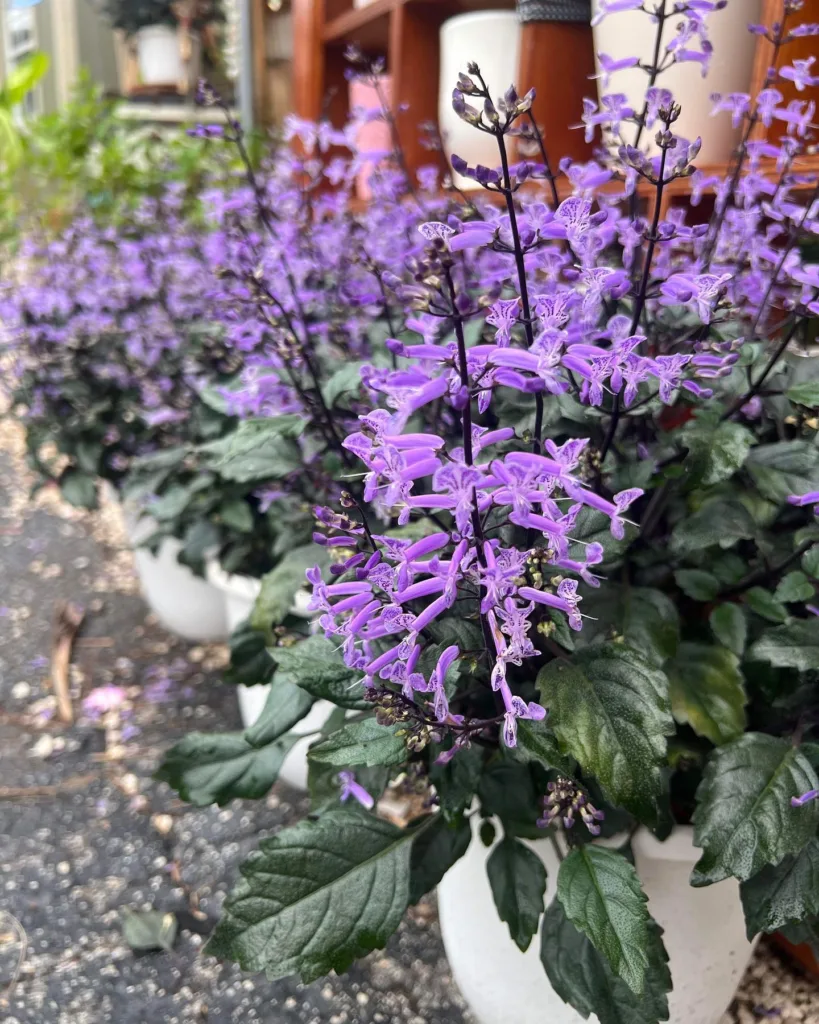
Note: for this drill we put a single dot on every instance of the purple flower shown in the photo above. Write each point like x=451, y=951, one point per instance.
x=805, y=798
x=351, y=788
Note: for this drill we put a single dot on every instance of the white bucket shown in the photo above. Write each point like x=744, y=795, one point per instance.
x=492, y=40
x=704, y=935
x=159, y=55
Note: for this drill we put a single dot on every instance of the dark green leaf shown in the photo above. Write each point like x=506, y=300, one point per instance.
x=783, y=893
x=794, y=587
x=215, y=768
x=583, y=979
x=764, y=604
x=317, y=666
x=280, y=586
x=286, y=704
x=719, y=523
x=435, y=851
x=707, y=691
x=258, y=450
x=537, y=742
x=728, y=567
x=730, y=627
x=610, y=710
x=507, y=790
x=784, y=468
x=806, y=393
x=457, y=782
x=345, y=381
x=743, y=818
x=518, y=880
x=793, y=646
x=646, y=618
x=235, y=513
x=697, y=584
x=810, y=561
x=149, y=929
x=78, y=488
x=601, y=895
x=715, y=453
x=317, y=896
x=250, y=662
x=360, y=743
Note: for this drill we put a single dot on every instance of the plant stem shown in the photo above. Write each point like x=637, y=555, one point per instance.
x=549, y=173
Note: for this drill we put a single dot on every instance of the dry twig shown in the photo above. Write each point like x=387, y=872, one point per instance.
x=67, y=621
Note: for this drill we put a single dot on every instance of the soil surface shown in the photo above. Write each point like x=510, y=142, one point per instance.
x=85, y=833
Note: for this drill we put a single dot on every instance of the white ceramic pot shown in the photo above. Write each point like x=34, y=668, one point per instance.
x=632, y=34
x=240, y=596
x=492, y=40
x=159, y=55
x=184, y=603
x=704, y=936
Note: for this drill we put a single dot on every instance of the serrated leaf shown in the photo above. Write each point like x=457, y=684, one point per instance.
x=361, y=743
x=280, y=586
x=744, y=819
x=601, y=895
x=315, y=897
x=793, y=588
x=236, y=514
x=784, y=893
x=435, y=851
x=149, y=929
x=286, y=705
x=583, y=979
x=538, y=743
x=507, y=790
x=697, y=584
x=718, y=523
x=764, y=604
x=730, y=627
x=611, y=710
x=518, y=881
x=317, y=666
x=715, y=452
x=215, y=768
x=793, y=646
x=707, y=691
x=784, y=468
x=806, y=393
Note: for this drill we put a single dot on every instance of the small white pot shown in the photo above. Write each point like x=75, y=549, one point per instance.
x=240, y=596
x=492, y=40
x=159, y=55
x=704, y=936
x=632, y=34
x=184, y=603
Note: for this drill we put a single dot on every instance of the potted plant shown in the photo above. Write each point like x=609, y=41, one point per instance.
x=152, y=25
x=597, y=659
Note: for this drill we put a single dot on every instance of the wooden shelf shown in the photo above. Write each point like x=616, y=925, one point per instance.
x=556, y=58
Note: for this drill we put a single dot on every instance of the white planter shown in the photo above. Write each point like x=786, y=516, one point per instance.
x=159, y=55
x=704, y=936
x=632, y=34
x=184, y=603
x=240, y=596
x=492, y=40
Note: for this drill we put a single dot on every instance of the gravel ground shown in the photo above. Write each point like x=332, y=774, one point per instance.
x=85, y=832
